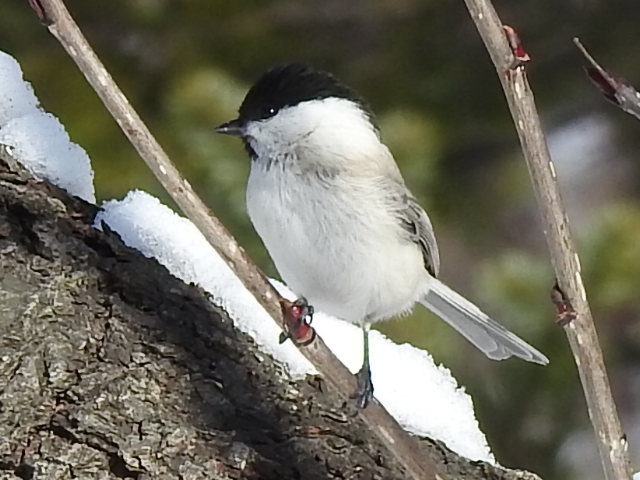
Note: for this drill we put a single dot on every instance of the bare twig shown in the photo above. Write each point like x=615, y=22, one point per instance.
x=615, y=89
x=581, y=332
x=54, y=14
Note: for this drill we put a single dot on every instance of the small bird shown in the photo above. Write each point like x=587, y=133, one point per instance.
x=329, y=203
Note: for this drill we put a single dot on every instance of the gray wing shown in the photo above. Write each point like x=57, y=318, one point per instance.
x=416, y=224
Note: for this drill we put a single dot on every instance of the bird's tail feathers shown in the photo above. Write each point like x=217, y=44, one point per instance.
x=486, y=334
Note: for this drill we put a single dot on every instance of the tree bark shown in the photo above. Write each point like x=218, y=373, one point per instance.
x=111, y=368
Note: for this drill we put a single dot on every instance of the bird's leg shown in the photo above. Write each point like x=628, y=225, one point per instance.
x=297, y=318
x=365, y=386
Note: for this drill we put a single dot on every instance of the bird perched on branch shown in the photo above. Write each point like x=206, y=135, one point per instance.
x=329, y=202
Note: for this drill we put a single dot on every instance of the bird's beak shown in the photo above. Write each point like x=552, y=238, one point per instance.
x=235, y=128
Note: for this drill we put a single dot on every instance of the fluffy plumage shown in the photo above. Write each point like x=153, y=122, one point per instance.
x=329, y=202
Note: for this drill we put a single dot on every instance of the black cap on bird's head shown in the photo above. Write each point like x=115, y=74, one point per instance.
x=287, y=86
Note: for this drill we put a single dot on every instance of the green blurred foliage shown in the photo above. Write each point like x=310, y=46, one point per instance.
x=186, y=66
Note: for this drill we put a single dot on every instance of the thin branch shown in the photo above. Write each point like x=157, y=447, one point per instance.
x=612, y=443
x=615, y=89
x=54, y=14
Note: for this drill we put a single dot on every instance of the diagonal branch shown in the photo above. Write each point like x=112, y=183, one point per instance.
x=507, y=54
x=56, y=17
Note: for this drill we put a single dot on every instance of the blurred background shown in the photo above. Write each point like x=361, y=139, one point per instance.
x=186, y=66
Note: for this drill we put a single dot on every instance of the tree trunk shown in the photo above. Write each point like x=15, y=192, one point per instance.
x=112, y=368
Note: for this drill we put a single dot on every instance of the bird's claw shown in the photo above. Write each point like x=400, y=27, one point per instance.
x=297, y=318
x=364, y=393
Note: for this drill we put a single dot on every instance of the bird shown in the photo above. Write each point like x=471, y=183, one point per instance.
x=328, y=201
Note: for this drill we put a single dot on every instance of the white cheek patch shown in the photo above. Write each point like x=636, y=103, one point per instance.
x=334, y=127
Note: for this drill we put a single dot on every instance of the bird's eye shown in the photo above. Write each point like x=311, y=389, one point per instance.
x=268, y=112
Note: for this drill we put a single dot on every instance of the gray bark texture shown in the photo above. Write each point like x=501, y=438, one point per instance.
x=111, y=368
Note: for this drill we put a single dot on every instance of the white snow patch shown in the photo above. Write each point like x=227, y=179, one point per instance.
x=16, y=95
x=37, y=139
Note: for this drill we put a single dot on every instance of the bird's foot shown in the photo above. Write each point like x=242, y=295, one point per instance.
x=297, y=318
x=364, y=393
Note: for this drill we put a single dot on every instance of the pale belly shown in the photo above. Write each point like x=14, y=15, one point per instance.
x=326, y=249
